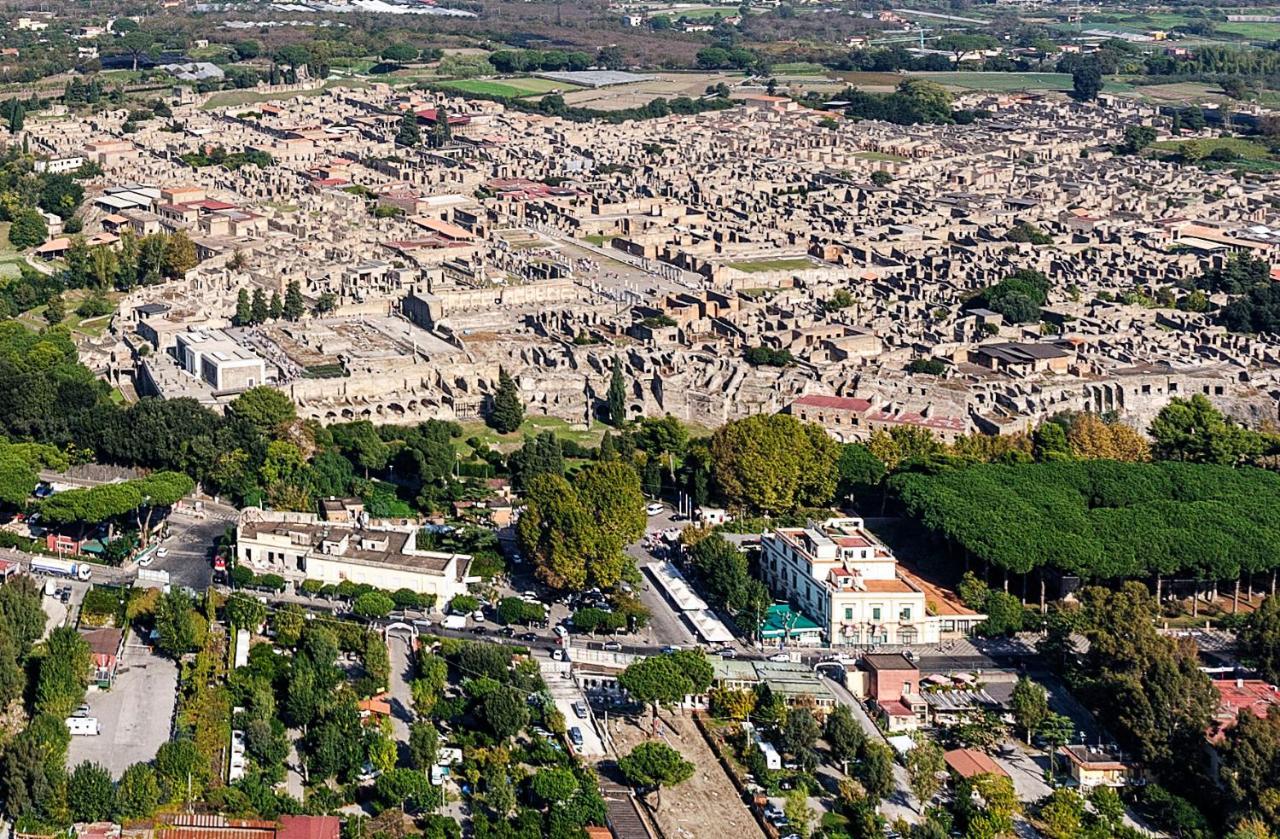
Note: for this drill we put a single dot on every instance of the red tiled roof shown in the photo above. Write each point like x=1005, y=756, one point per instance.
x=844, y=403
x=309, y=827
x=967, y=763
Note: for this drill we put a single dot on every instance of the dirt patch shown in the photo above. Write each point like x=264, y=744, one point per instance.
x=638, y=94
x=705, y=805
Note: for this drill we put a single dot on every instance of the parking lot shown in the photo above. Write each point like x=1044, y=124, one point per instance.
x=134, y=715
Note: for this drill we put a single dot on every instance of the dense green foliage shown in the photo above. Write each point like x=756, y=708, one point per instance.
x=1018, y=298
x=1104, y=520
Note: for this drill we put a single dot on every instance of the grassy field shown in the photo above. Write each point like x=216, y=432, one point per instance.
x=10, y=257
x=1000, y=81
x=532, y=426
x=34, y=320
x=597, y=239
x=512, y=88
x=757, y=266
x=799, y=68
x=1249, y=155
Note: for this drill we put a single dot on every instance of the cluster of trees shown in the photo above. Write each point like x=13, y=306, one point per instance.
x=526, y=61
x=554, y=105
x=575, y=533
x=762, y=356
x=34, y=785
x=1255, y=306
x=1029, y=233
x=219, y=156
x=139, y=260
x=727, y=579
x=1018, y=298
x=256, y=309
x=774, y=463
x=108, y=502
x=915, y=101
x=1103, y=520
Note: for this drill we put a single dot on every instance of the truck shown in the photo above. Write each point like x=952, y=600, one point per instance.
x=455, y=622
x=83, y=726
x=152, y=578
x=62, y=568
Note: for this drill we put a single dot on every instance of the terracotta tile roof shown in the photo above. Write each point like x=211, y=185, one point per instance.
x=967, y=763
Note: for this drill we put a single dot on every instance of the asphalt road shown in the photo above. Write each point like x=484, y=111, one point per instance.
x=189, y=549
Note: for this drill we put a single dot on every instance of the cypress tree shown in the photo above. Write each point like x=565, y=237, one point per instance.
x=293, y=305
x=617, y=397
x=508, y=412
x=244, y=312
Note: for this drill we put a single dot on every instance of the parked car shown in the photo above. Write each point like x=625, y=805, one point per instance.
x=560, y=655
x=612, y=646
x=560, y=631
x=478, y=616
x=479, y=630
x=780, y=657
x=580, y=709
x=82, y=711
x=575, y=736
x=653, y=509
x=162, y=552
x=727, y=652
x=145, y=560
x=509, y=631
x=528, y=636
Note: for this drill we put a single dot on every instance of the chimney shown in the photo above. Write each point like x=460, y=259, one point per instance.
x=1240, y=684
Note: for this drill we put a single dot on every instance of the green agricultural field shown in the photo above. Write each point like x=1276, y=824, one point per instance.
x=799, y=68
x=1252, y=31
x=976, y=80
x=757, y=266
x=511, y=88
x=1249, y=155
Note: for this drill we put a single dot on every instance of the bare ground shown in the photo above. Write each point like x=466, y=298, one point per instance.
x=705, y=805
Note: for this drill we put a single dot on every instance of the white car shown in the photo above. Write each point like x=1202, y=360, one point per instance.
x=162, y=552
x=478, y=616
x=780, y=657
x=654, y=509
x=144, y=561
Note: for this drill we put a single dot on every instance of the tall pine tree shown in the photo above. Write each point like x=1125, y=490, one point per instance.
x=508, y=411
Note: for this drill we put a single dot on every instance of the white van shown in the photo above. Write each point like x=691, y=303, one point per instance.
x=83, y=726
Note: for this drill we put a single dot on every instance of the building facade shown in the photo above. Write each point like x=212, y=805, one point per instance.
x=848, y=582
x=300, y=546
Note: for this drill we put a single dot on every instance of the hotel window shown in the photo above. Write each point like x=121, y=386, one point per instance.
x=875, y=613
x=848, y=614
x=905, y=614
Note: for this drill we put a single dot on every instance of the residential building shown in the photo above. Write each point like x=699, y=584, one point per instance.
x=848, y=582
x=893, y=685
x=1236, y=696
x=969, y=763
x=104, y=646
x=301, y=546
x=1096, y=766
